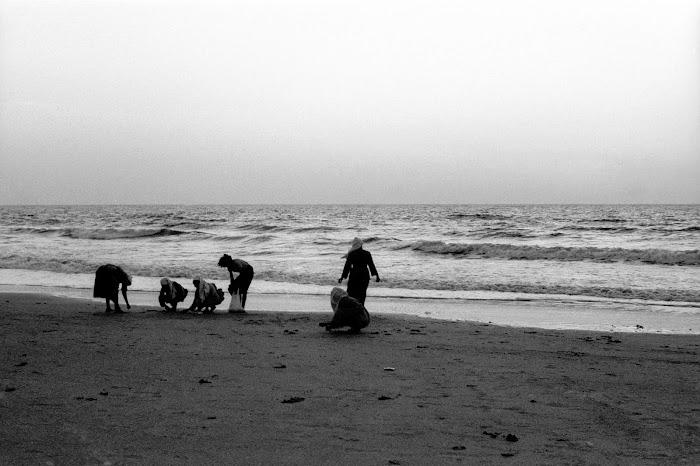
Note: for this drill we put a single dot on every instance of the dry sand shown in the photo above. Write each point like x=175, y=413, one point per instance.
x=78, y=386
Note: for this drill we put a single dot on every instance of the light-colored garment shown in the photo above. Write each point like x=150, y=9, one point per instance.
x=167, y=285
x=235, y=304
x=347, y=311
x=356, y=244
x=336, y=294
x=207, y=294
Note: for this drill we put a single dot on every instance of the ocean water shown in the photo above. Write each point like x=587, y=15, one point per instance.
x=638, y=258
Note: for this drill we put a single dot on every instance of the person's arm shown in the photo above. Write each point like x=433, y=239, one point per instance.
x=372, y=268
x=346, y=270
x=233, y=287
x=126, y=300
x=195, y=303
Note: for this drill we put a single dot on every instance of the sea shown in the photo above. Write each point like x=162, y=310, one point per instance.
x=599, y=267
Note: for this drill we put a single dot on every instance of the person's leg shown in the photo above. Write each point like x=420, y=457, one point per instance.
x=357, y=290
x=363, y=292
x=243, y=288
x=362, y=295
x=116, y=302
x=108, y=308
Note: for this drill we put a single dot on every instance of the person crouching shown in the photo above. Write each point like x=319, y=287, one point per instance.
x=206, y=296
x=347, y=312
x=171, y=293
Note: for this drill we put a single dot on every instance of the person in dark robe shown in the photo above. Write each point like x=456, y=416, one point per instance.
x=206, y=296
x=241, y=283
x=107, y=280
x=358, y=266
x=171, y=293
x=347, y=312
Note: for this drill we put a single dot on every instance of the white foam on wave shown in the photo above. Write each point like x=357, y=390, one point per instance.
x=599, y=317
x=85, y=281
x=558, y=253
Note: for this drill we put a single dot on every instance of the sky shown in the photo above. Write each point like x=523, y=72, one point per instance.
x=352, y=102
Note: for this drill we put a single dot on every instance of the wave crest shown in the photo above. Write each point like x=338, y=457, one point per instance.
x=558, y=253
x=118, y=233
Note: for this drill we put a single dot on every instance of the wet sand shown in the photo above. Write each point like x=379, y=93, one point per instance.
x=78, y=386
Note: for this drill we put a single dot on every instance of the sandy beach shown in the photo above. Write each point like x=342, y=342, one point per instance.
x=78, y=386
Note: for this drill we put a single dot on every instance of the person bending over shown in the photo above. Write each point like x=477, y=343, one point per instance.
x=107, y=280
x=241, y=283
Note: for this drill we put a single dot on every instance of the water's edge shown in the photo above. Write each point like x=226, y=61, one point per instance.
x=591, y=316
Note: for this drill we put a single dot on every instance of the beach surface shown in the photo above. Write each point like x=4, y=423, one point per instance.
x=79, y=386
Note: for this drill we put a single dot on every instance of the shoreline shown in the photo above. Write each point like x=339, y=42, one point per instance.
x=79, y=386
x=555, y=315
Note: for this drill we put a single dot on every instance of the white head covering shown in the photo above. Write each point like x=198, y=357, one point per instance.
x=337, y=294
x=166, y=282
x=197, y=278
x=356, y=244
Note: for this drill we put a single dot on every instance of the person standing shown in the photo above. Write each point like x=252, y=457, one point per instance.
x=358, y=266
x=241, y=283
x=107, y=280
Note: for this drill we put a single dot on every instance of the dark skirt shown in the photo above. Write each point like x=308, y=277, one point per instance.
x=357, y=288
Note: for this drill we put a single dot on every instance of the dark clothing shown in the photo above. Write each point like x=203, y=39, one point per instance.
x=242, y=282
x=359, y=265
x=207, y=296
x=347, y=312
x=180, y=292
x=107, y=280
x=174, y=295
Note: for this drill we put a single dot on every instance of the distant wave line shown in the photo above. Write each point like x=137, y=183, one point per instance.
x=557, y=253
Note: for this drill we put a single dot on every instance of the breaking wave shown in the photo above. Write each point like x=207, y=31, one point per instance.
x=107, y=233
x=478, y=216
x=557, y=253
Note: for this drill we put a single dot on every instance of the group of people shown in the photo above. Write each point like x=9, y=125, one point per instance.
x=348, y=306
x=207, y=296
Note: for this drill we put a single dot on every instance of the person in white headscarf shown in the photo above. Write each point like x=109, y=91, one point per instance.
x=171, y=293
x=206, y=296
x=347, y=312
x=107, y=280
x=359, y=266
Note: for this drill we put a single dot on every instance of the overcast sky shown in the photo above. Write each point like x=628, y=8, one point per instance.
x=520, y=101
